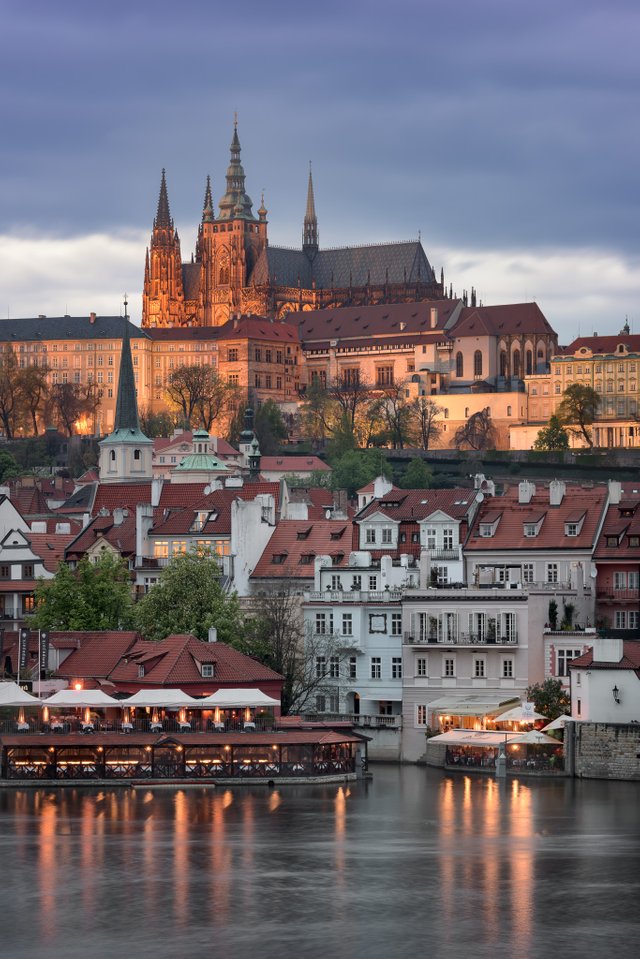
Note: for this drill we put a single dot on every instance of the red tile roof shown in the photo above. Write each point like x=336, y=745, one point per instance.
x=295, y=543
x=121, y=536
x=502, y=320
x=622, y=526
x=379, y=321
x=164, y=444
x=50, y=547
x=293, y=464
x=217, y=504
x=513, y=515
x=412, y=505
x=605, y=345
x=126, y=495
x=630, y=659
x=96, y=654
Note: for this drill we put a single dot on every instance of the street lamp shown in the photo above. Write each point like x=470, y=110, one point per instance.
x=616, y=695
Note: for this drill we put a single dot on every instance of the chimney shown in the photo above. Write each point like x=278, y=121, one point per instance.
x=156, y=490
x=144, y=522
x=213, y=635
x=557, y=489
x=526, y=491
x=433, y=312
x=92, y=318
x=340, y=504
x=608, y=650
x=118, y=516
x=615, y=492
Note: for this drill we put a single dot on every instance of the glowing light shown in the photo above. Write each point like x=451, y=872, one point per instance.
x=77, y=685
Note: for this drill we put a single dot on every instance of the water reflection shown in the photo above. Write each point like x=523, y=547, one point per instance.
x=413, y=862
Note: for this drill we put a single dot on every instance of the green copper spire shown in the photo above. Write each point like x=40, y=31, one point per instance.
x=235, y=204
x=126, y=404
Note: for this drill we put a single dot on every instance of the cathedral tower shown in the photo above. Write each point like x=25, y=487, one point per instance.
x=310, y=242
x=163, y=292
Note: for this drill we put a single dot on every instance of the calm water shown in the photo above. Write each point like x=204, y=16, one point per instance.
x=414, y=863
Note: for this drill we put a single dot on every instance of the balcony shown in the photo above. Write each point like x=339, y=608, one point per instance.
x=355, y=719
x=354, y=596
x=460, y=639
x=445, y=554
x=608, y=594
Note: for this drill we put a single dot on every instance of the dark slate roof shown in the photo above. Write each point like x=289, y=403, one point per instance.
x=355, y=265
x=191, y=280
x=67, y=327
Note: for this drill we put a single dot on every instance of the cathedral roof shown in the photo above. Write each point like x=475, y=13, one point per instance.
x=67, y=328
x=344, y=266
x=391, y=320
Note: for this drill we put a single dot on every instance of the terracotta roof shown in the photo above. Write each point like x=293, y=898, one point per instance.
x=164, y=444
x=509, y=533
x=50, y=547
x=502, y=320
x=121, y=536
x=622, y=526
x=382, y=320
x=415, y=504
x=295, y=543
x=294, y=464
x=259, y=328
x=175, y=662
x=126, y=495
x=96, y=654
x=630, y=659
x=217, y=504
x=603, y=344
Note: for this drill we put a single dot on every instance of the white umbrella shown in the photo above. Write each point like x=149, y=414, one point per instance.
x=518, y=715
x=12, y=695
x=535, y=738
x=72, y=698
x=559, y=723
x=159, y=698
x=237, y=699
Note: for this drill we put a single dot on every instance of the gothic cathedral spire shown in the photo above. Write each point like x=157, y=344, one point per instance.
x=310, y=228
x=235, y=204
x=163, y=293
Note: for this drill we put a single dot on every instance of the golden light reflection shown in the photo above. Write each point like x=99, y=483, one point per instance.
x=221, y=861
x=275, y=800
x=47, y=863
x=521, y=866
x=180, y=859
x=447, y=857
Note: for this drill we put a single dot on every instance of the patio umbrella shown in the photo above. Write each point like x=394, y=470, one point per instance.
x=559, y=723
x=237, y=699
x=12, y=695
x=160, y=697
x=74, y=698
x=518, y=715
x=534, y=738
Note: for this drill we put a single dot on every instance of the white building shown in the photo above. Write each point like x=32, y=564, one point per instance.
x=605, y=682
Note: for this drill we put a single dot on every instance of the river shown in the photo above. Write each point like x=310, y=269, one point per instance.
x=413, y=863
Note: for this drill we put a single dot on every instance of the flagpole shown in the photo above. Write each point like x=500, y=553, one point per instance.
x=39, y=661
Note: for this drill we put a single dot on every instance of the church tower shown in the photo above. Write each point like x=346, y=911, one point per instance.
x=163, y=293
x=310, y=228
x=126, y=453
x=228, y=246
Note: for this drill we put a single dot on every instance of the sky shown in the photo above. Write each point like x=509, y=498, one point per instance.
x=506, y=134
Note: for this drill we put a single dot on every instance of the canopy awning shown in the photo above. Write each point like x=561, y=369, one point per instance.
x=237, y=699
x=72, y=698
x=559, y=723
x=473, y=737
x=160, y=697
x=471, y=705
x=519, y=714
x=12, y=695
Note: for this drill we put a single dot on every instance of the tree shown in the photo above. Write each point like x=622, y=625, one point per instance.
x=71, y=403
x=356, y=468
x=33, y=390
x=478, y=433
x=199, y=394
x=549, y=698
x=189, y=598
x=8, y=466
x=578, y=410
x=270, y=427
x=93, y=596
x=417, y=475
x=552, y=437
x=425, y=421
x=396, y=414
x=156, y=424
x=275, y=636
x=9, y=393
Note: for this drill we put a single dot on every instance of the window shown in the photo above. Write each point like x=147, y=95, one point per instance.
x=552, y=572
x=396, y=624
x=477, y=363
x=140, y=672
x=421, y=715
x=336, y=583
x=431, y=538
x=376, y=667
x=530, y=529
x=27, y=571
x=353, y=667
x=507, y=669
x=527, y=573
x=321, y=704
x=564, y=658
x=396, y=667
x=633, y=618
x=321, y=667
x=267, y=381
x=5, y=572
x=373, y=583
x=619, y=580
x=384, y=376
x=387, y=535
x=334, y=667
x=347, y=624
x=421, y=667
x=449, y=667
x=267, y=356
x=579, y=707
x=324, y=624
x=479, y=668
x=447, y=538
x=370, y=535
x=571, y=529
x=620, y=619
x=459, y=365
x=357, y=582
x=509, y=628
x=207, y=670
x=161, y=549
x=258, y=355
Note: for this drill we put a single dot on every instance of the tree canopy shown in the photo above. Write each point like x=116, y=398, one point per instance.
x=356, y=468
x=549, y=698
x=578, y=410
x=198, y=395
x=553, y=437
x=478, y=433
x=417, y=475
x=93, y=596
x=189, y=598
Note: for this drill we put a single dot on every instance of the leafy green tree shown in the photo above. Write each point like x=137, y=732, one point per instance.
x=417, y=475
x=549, y=698
x=189, y=598
x=156, y=424
x=93, y=596
x=552, y=437
x=578, y=410
x=8, y=466
x=356, y=468
x=270, y=427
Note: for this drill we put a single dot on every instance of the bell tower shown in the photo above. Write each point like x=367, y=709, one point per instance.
x=163, y=292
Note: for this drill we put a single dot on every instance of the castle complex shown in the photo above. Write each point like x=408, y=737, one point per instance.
x=235, y=271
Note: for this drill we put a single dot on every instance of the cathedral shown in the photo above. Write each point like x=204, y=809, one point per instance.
x=235, y=271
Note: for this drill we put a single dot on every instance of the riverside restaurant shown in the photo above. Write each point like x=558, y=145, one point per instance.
x=164, y=735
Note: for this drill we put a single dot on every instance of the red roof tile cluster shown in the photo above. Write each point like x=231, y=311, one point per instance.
x=121, y=536
x=511, y=517
x=511, y=318
x=179, y=521
x=50, y=547
x=295, y=543
x=630, y=659
x=293, y=464
x=395, y=322
x=619, y=538
x=95, y=654
x=605, y=345
x=125, y=495
x=412, y=505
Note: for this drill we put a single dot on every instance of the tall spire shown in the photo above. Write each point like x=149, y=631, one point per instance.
x=235, y=204
x=207, y=210
x=310, y=229
x=126, y=404
x=163, y=217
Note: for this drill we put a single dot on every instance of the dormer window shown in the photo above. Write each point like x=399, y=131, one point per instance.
x=634, y=541
x=612, y=540
x=486, y=529
x=279, y=559
x=207, y=670
x=530, y=529
x=140, y=672
x=570, y=529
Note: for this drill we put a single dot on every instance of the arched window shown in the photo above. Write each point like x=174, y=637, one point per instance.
x=136, y=454
x=516, y=363
x=459, y=365
x=529, y=362
x=112, y=456
x=503, y=363
x=446, y=413
x=477, y=363
x=508, y=411
x=224, y=273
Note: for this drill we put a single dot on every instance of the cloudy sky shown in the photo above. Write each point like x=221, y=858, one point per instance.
x=506, y=132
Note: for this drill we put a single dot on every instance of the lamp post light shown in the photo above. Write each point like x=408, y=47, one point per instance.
x=616, y=695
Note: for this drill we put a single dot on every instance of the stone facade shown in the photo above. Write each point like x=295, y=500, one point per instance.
x=606, y=750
